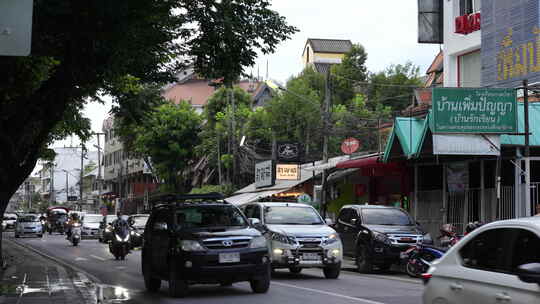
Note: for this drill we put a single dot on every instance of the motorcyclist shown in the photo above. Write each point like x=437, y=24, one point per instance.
x=74, y=218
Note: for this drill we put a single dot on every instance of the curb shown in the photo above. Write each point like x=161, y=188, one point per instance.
x=94, y=279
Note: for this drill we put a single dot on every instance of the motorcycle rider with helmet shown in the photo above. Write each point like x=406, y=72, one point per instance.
x=74, y=218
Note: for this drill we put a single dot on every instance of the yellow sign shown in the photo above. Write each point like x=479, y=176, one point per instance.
x=287, y=172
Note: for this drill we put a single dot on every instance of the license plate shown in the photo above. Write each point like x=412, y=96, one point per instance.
x=233, y=257
x=311, y=256
x=407, y=239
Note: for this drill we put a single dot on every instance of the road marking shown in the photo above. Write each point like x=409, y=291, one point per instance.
x=120, y=267
x=361, y=300
x=98, y=258
x=80, y=259
x=395, y=278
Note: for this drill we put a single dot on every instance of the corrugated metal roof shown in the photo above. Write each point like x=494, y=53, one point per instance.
x=534, y=127
x=330, y=45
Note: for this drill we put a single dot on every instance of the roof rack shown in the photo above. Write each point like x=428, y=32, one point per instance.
x=166, y=199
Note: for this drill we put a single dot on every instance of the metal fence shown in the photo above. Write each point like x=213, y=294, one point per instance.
x=429, y=211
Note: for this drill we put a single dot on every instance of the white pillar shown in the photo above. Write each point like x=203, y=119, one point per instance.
x=483, y=216
x=444, y=196
x=527, y=202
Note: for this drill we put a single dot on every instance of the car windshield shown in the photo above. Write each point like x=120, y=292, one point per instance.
x=28, y=219
x=140, y=220
x=209, y=216
x=92, y=218
x=111, y=218
x=391, y=217
x=282, y=215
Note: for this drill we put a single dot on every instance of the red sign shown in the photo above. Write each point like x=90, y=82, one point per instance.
x=350, y=145
x=468, y=23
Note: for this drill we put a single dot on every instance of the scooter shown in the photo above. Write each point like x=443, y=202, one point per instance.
x=75, y=234
x=418, y=258
x=120, y=244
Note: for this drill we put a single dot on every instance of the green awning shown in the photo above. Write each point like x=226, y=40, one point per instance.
x=534, y=127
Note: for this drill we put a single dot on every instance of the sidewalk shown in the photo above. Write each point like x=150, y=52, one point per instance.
x=32, y=279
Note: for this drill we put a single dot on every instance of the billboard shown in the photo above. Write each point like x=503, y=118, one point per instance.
x=264, y=174
x=510, y=42
x=467, y=110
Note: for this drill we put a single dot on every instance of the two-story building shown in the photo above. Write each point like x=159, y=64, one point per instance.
x=322, y=53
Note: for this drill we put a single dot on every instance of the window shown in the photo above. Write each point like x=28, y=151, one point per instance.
x=469, y=6
x=345, y=216
x=209, y=216
x=525, y=249
x=488, y=251
x=253, y=211
x=384, y=216
x=281, y=215
x=470, y=69
x=160, y=221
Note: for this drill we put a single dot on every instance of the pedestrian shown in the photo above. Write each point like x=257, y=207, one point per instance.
x=537, y=210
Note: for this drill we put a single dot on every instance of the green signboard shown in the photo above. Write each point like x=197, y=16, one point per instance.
x=463, y=110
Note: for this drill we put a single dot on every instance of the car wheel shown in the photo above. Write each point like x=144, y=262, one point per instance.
x=363, y=261
x=412, y=270
x=75, y=242
x=262, y=284
x=332, y=272
x=295, y=270
x=177, y=288
x=40, y=236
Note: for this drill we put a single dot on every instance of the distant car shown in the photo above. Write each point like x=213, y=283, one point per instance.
x=105, y=228
x=9, y=221
x=137, y=222
x=28, y=225
x=90, y=225
x=376, y=235
x=298, y=237
x=496, y=263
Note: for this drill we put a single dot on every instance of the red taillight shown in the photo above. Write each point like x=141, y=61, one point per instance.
x=425, y=277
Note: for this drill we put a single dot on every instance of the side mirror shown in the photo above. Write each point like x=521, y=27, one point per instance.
x=329, y=221
x=354, y=222
x=254, y=222
x=160, y=226
x=529, y=273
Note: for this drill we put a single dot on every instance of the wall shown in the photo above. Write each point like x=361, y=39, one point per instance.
x=455, y=44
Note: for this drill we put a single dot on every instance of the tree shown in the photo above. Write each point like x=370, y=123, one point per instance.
x=82, y=48
x=394, y=87
x=168, y=136
x=345, y=76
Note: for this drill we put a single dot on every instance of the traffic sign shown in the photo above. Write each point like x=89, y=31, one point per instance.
x=350, y=145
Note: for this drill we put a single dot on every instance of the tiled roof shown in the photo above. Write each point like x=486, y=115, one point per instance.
x=330, y=45
x=321, y=67
x=437, y=64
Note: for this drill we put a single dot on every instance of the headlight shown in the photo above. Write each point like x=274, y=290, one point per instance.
x=258, y=242
x=381, y=237
x=278, y=237
x=331, y=239
x=118, y=238
x=190, y=245
x=76, y=225
x=108, y=229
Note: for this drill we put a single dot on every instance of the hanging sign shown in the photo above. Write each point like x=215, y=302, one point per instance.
x=350, y=145
x=289, y=152
x=264, y=176
x=288, y=172
x=463, y=110
x=466, y=144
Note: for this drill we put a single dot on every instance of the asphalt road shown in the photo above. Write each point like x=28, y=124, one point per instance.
x=123, y=280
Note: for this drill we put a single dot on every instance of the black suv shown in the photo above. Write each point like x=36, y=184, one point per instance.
x=376, y=235
x=192, y=239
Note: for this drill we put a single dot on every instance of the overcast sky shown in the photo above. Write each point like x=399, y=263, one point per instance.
x=386, y=28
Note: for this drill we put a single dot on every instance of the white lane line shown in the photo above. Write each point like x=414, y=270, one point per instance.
x=366, y=301
x=98, y=258
x=394, y=278
x=77, y=259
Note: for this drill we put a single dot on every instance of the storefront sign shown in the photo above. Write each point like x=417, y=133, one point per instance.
x=466, y=144
x=457, y=176
x=288, y=172
x=264, y=175
x=510, y=42
x=289, y=152
x=350, y=145
x=467, y=24
x=462, y=110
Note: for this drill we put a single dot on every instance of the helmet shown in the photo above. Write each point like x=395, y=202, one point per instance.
x=471, y=226
x=75, y=216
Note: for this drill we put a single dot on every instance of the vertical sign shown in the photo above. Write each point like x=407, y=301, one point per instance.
x=264, y=174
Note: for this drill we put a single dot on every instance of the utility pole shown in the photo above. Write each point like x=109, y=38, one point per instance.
x=83, y=150
x=528, y=210
x=326, y=125
x=67, y=185
x=99, y=177
x=51, y=184
x=233, y=137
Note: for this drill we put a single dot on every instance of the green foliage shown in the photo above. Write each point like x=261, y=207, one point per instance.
x=218, y=102
x=394, y=86
x=168, y=137
x=225, y=189
x=352, y=68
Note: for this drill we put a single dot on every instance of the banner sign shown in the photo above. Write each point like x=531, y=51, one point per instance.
x=288, y=172
x=510, y=42
x=289, y=152
x=464, y=110
x=457, y=176
x=466, y=144
x=264, y=175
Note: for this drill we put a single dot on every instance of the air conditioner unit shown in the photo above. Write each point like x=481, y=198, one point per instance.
x=317, y=193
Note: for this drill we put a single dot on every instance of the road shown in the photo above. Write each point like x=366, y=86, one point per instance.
x=123, y=280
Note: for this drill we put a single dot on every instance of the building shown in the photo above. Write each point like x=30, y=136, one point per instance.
x=322, y=53
x=25, y=197
x=125, y=177
x=60, y=178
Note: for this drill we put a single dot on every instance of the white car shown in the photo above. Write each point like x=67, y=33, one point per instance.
x=297, y=236
x=8, y=221
x=28, y=224
x=496, y=263
x=90, y=225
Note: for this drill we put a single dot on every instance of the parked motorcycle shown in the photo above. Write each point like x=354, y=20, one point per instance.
x=120, y=244
x=418, y=258
x=75, y=234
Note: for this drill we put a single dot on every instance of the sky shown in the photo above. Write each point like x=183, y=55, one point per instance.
x=386, y=28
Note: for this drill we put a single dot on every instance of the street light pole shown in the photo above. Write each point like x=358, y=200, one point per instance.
x=99, y=177
x=526, y=154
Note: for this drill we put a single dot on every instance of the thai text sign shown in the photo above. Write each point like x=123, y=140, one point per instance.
x=264, y=175
x=461, y=110
x=510, y=42
x=287, y=172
